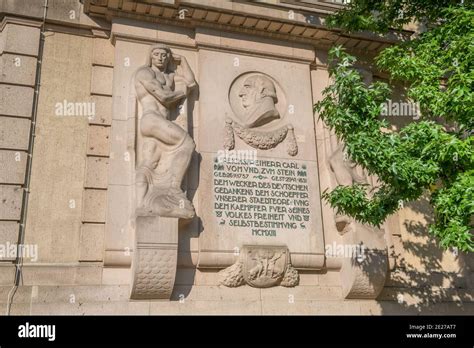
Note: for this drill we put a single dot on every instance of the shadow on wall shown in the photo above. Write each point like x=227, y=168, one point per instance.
x=420, y=282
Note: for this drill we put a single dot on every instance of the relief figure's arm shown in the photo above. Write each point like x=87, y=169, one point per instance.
x=154, y=87
x=188, y=75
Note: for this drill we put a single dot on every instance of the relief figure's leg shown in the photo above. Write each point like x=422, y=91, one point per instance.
x=156, y=126
x=178, y=145
x=181, y=158
x=343, y=176
x=339, y=168
x=143, y=178
x=177, y=148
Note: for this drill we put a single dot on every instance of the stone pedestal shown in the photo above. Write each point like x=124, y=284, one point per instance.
x=155, y=257
x=363, y=275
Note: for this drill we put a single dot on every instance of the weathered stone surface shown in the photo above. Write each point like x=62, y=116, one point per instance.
x=8, y=236
x=101, y=82
x=12, y=170
x=9, y=231
x=7, y=273
x=116, y=276
x=309, y=279
x=92, y=242
x=209, y=277
x=129, y=56
x=98, y=141
x=103, y=110
x=85, y=273
x=212, y=293
x=150, y=32
x=302, y=293
x=103, y=52
x=20, y=309
x=266, y=46
x=245, y=307
x=16, y=100
x=96, y=172
x=110, y=300
x=311, y=307
x=10, y=202
x=91, y=308
x=21, y=39
x=330, y=279
x=18, y=69
x=23, y=294
x=122, y=157
x=94, y=205
x=119, y=230
x=65, y=11
x=14, y=133
x=73, y=294
x=57, y=180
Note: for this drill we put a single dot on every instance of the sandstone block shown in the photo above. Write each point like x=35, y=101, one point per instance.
x=10, y=202
x=92, y=242
x=96, y=172
x=14, y=133
x=16, y=100
x=12, y=170
x=94, y=206
x=101, y=82
x=98, y=141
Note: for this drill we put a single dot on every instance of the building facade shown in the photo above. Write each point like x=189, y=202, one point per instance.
x=163, y=157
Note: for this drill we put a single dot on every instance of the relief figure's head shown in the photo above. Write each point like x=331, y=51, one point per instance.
x=256, y=89
x=160, y=57
x=258, y=97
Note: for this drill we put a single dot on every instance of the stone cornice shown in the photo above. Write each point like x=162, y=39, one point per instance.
x=305, y=25
x=210, y=39
x=20, y=21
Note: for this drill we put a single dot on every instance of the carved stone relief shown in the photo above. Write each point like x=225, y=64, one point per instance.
x=262, y=104
x=166, y=147
x=256, y=101
x=261, y=267
x=164, y=150
x=361, y=278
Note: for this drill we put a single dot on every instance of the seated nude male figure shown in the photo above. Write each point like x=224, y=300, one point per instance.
x=167, y=148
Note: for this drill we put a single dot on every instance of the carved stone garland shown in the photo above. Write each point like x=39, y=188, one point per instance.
x=262, y=140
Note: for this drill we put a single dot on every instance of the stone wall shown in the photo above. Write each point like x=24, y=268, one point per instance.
x=19, y=44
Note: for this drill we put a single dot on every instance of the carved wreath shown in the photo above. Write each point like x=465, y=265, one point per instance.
x=260, y=139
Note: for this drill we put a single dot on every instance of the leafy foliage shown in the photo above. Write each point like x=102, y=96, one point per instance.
x=437, y=66
x=382, y=15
